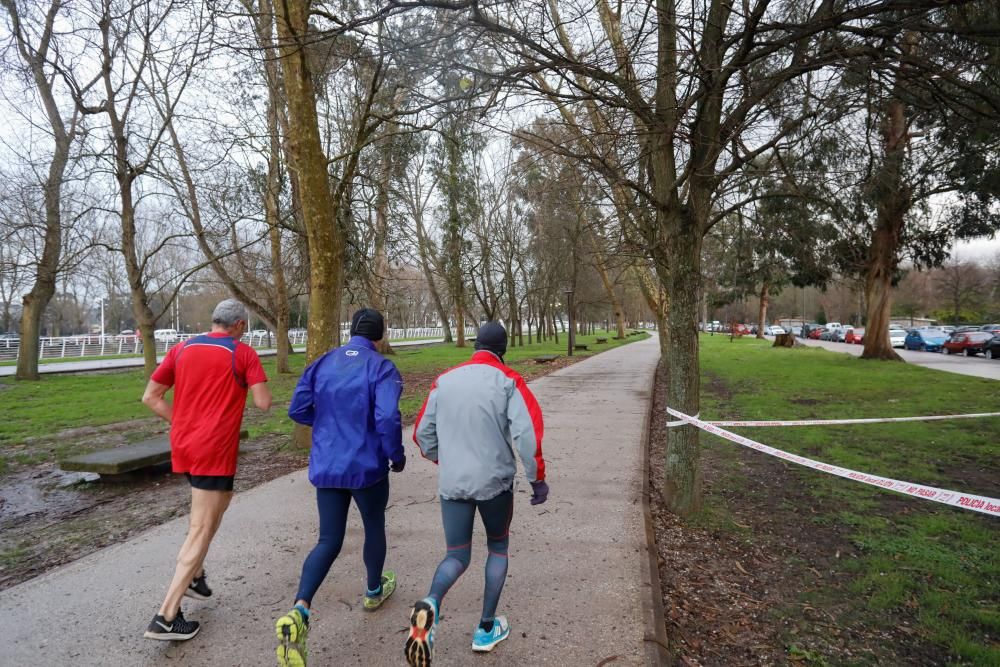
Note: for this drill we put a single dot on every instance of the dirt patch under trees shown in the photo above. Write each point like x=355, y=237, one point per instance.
x=750, y=581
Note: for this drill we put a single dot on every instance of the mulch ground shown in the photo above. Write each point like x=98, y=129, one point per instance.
x=768, y=588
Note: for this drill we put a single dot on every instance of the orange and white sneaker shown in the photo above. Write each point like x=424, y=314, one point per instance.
x=419, y=648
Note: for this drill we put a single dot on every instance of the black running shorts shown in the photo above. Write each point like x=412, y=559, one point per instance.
x=210, y=482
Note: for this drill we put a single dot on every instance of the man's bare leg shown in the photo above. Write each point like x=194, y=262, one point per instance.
x=207, y=508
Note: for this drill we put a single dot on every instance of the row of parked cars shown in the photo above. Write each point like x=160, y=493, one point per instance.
x=967, y=340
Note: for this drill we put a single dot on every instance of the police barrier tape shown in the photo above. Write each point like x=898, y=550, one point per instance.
x=832, y=422
x=968, y=501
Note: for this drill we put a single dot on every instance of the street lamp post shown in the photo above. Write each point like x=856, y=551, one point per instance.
x=571, y=337
x=102, y=319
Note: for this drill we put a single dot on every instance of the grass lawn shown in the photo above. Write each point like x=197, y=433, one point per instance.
x=939, y=566
x=58, y=402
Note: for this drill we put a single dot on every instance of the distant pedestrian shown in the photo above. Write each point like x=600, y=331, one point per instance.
x=350, y=397
x=211, y=375
x=473, y=414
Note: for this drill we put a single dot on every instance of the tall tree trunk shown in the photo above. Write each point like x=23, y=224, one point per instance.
x=682, y=471
x=893, y=199
x=37, y=299
x=307, y=160
x=423, y=252
x=281, y=306
x=380, y=270
x=762, y=309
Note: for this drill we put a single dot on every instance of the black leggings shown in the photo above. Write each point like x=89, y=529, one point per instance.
x=333, y=506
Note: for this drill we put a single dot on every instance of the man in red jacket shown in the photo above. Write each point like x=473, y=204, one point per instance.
x=211, y=375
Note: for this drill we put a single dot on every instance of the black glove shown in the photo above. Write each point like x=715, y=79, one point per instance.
x=397, y=466
x=539, y=492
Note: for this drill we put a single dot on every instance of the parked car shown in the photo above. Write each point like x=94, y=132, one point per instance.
x=833, y=325
x=992, y=348
x=855, y=336
x=969, y=343
x=965, y=329
x=807, y=328
x=796, y=331
x=929, y=340
x=947, y=328
x=816, y=332
x=840, y=333
x=828, y=334
x=897, y=336
x=165, y=335
x=992, y=328
x=774, y=330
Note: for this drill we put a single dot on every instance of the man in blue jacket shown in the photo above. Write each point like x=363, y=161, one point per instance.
x=350, y=397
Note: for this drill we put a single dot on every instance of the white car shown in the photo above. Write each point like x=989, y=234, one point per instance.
x=774, y=330
x=165, y=335
x=897, y=336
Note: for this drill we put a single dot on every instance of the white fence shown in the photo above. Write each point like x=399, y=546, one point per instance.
x=74, y=347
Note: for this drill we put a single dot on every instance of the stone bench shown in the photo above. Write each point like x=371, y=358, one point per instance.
x=579, y=346
x=121, y=460
x=602, y=341
x=546, y=358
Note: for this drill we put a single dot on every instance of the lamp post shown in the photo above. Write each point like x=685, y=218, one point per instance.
x=102, y=319
x=570, y=338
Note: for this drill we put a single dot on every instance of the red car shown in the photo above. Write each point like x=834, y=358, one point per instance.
x=815, y=333
x=856, y=336
x=969, y=343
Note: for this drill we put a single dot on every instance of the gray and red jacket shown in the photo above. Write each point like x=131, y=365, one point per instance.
x=474, y=413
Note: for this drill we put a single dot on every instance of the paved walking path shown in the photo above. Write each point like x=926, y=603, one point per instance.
x=572, y=597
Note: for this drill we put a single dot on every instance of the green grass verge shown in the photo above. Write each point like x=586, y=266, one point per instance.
x=938, y=563
x=58, y=402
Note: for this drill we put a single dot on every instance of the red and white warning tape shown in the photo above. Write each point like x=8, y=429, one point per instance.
x=968, y=501
x=833, y=422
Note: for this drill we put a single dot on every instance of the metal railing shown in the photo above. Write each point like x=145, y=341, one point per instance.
x=75, y=347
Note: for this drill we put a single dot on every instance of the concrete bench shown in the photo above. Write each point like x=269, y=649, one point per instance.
x=546, y=358
x=602, y=341
x=579, y=346
x=120, y=460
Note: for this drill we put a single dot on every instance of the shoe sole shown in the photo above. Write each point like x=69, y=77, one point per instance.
x=195, y=595
x=418, y=649
x=289, y=651
x=171, y=636
x=486, y=648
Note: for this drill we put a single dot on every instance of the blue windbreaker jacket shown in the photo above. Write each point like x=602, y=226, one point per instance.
x=350, y=396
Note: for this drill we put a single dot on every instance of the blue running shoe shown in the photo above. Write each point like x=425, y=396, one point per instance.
x=484, y=641
x=419, y=648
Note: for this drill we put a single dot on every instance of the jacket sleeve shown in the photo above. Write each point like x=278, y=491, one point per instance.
x=302, y=409
x=526, y=429
x=388, y=389
x=425, y=430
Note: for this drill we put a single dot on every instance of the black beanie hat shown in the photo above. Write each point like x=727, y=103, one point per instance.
x=493, y=337
x=368, y=322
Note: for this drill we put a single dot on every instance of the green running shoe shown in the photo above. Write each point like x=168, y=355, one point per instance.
x=292, y=630
x=373, y=602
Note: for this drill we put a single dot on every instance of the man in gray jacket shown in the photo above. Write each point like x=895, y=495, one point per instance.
x=473, y=415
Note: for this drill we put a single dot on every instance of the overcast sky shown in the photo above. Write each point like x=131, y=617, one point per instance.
x=979, y=249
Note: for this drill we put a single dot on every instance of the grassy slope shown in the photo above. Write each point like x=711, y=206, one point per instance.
x=942, y=563
x=31, y=409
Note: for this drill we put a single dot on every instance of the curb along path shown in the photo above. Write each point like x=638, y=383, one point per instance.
x=574, y=595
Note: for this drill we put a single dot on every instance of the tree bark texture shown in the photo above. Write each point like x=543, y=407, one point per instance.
x=308, y=162
x=34, y=303
x=893, y=201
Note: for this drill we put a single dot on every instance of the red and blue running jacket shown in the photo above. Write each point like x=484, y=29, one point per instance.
x=350, y=396
x=469, y=423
